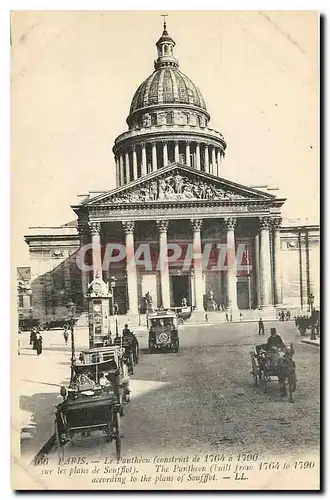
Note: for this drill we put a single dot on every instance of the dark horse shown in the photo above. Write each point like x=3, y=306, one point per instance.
x=278, y=363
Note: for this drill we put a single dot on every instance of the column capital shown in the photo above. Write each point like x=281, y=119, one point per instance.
x=128, y=226
x=196, y=224
x=230, y=223
x=94, y=228
x=276, y=223
x=265, y=222
x=83, y=228
x=143, y=145
x=162, y=225
x=133, y=147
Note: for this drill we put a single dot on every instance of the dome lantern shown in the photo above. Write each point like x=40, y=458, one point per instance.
x=165, y=47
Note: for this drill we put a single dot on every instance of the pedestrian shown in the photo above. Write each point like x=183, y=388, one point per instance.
x=206, y=318
x=66, y=334
x=283, y=315
x=227, y=317
x=261, y=327
x=115, y=309
x=288, y=315
x=38, y=343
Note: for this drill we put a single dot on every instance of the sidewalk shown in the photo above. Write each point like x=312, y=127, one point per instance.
x=311, y=342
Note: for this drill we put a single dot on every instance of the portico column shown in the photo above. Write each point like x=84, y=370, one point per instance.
x=128, y=177
x=265, y=263
x=122, y=169
x=218, y=162
x=206, y=160
x=257, y=267
x=144, y=160
x=117, y=171
x=165, y=154
x=135, y=170
x=230, y=224
x=277, y=261
x=162, y=226
x=83, y=230
x=196, y=226
x=132, y=295
x=198, y=156
x=188, y=154
x=154, y=157
x=176, y=151
x=95, y=230
x=213, y=161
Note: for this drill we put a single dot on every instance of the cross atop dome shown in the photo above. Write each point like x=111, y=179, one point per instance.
x=165, y=46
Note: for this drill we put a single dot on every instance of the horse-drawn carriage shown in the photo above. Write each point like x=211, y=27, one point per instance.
x=163, y=331
x=96, y=398
x=308, y=322
x=268, y=362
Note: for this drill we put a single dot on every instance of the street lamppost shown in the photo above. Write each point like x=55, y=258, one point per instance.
x=311, y=298
x=71, y=307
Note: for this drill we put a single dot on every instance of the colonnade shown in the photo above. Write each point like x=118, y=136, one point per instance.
x=143, y=158
x=268, y=268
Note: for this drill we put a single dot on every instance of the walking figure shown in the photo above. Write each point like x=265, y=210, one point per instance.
x=227, y=318
x=66, y=334
x=206, y=318
x=261, y=327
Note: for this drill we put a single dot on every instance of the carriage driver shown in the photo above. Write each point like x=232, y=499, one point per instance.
x=275, y=340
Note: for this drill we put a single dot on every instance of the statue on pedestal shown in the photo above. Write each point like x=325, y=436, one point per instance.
x=211, y=305
x=148, y=301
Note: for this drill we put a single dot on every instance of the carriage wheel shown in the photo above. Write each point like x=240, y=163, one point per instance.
x=122, y=405
x=131, y=363
x=118, y=437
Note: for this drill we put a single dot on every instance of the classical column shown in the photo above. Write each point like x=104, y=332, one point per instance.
x=196, y=226
x=230, y=224
x=198, y=156
x=257, y=267
x=122, y=169
x=165, y=154
x=84, y=238
x=95, y=230
x=162, y=226
x=277, y=261
x=117, y=171
x=132, y=295
x=265, y=263
x=206, y=160
x=176, y=151
x=144, y=160
x=154, y=156
x=128, y=176
x=214, y=170
x=188, y=154
x=218, y=162
x=135, y=169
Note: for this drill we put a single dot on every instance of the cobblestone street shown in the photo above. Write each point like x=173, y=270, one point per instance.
x=201, y=399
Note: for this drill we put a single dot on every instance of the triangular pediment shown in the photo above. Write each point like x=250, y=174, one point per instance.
x=178, y=182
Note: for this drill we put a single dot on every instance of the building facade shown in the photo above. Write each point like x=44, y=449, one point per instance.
x=195, y=235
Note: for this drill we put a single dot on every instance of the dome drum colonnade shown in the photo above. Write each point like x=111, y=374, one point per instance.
x=167, y=124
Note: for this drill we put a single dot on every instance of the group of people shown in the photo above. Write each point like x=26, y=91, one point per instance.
x=36, y=340
x=284, y=315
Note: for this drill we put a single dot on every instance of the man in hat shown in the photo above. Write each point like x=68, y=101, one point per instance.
x=275, y=340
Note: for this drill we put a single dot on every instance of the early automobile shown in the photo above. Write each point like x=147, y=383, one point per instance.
x=95, y=399
x=163, y=331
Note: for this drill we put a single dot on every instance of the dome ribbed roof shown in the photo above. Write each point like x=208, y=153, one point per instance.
x=167, y=85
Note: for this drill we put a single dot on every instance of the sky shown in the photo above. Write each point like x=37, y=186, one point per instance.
x=74, y=73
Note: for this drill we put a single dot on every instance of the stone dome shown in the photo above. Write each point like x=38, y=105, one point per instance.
x=167, y=85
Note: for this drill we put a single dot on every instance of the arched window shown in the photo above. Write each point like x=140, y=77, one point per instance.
x=153, y=120
x=169, y=119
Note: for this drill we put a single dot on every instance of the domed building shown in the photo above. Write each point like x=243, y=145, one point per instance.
x=198, y=239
